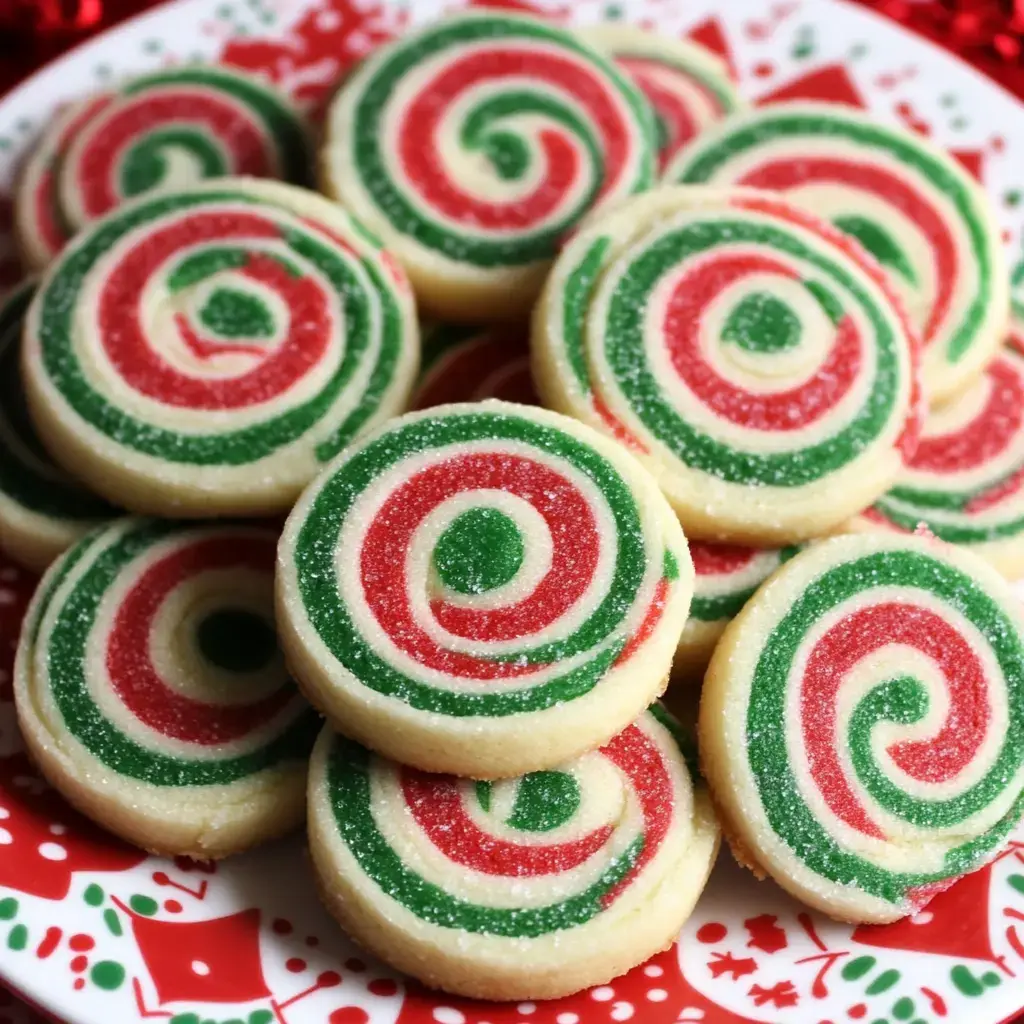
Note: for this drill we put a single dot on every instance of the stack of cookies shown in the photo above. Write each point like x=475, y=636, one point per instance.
x=779, y=461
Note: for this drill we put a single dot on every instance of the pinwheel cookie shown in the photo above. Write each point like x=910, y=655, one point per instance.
x=205, y=352
x=42, y=510
x=726, y=576
x=465, y=364
x=860, y=723
x=965, y=482
x=473, y=145
x=484, y=589
x=909, y=203
x=166, y=130
x=151, y=692
x=528, y=888
x=752, y=356
x=687, y=85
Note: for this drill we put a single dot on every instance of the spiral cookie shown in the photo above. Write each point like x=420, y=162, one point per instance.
x=686, y=84
x=39, y=228
x=474, y=145
x=748, y=353
x=151, y=691
x=726, y=576
x=965, y=482
x=463, y=364
x=860, y=724
x=204, y=352
x=42, y=511
x=482, y=589
x=166, y=130
x=533, y=887
x=906, y=201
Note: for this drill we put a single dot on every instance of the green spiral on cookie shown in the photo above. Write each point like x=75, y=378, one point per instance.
x=226, y=327
x=561, y=847
x=479, y=560
x=687, y=86
x=883, y=719
x=485, y=137
x=162, y=131
x=733, y=335
x=911, y=205
x=155, y=646
x=37, y=498
x=727, y=576
x=965, y=481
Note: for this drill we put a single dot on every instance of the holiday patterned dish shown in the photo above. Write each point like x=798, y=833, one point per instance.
x=94, y=931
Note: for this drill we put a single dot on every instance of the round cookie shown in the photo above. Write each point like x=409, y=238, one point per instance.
x=42, y=510
x=466, y=364
x=39, y=230
x=483, y=589
x=750, y=355
x=860, y=723
x=965, y=481
x=163, y=131
x=205, y=352
x=151, y=692
x=473, y=145
x=726, y=576
x=908, y=202
x=529, y=888
x=687, y=85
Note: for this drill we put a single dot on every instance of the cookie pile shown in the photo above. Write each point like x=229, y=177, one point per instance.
x=577, y=376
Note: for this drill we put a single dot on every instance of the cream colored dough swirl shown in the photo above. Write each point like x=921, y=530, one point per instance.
x=485, y=589
x=163, y=131
x=42, y=509
x=151, y=691
x=752, y=357
x=908, y=202
x=687, y=85
x=965, y=481
x=205, y=352
x=860, y=723
x=473, y=145
x=531, y=887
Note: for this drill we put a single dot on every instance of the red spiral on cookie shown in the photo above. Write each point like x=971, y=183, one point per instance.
x=240, y=333
x=168, y=671
x=467, y=365
x=162, y=131
x=687, y=85
x=595, y=862
x=910, y=204
x=965, y=482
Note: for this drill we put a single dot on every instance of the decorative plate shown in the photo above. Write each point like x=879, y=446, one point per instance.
x=93, y=931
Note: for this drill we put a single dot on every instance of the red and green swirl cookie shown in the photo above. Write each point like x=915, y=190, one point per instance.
x=687, y=85
x=533, y=887
x=465, y=364
x=750, y=354
x=910, y=204
x=152, y=693
x=965, y=482
x=486, y=589
x=472, y=146
x=42, y=510
x=204, y=352
x=860, y=723
x=726, y=576
x=162, y=131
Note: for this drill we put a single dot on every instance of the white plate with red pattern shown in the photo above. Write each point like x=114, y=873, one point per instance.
x=94, y=932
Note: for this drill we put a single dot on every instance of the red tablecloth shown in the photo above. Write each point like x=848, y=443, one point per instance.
x=987, y=33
